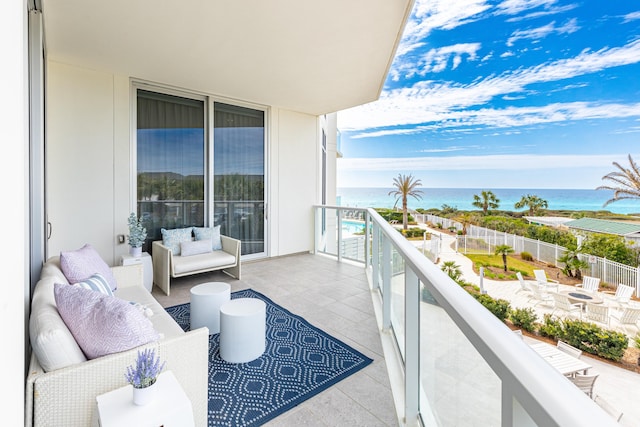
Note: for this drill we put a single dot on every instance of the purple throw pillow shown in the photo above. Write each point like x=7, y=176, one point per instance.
x=81, y=264
x=102, y=324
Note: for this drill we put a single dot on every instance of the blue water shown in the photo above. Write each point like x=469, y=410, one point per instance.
x=461, y=198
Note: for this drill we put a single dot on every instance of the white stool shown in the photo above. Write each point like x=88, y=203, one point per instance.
x=242, y=330
x=206, y=300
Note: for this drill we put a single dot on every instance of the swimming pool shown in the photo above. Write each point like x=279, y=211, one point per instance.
x=352, y=227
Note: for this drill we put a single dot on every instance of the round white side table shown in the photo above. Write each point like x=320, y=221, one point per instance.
x=242, y=330
x=206, y=300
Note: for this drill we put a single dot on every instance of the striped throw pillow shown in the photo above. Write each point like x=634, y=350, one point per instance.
x=97, y=283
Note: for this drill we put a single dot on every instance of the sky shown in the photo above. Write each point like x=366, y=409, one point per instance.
x=502, y=94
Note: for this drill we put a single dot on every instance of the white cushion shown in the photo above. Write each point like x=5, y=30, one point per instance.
x=51, y=340
x=195, y=247
x=202, y=262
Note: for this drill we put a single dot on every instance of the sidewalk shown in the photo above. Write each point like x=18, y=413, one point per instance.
x=619, y=387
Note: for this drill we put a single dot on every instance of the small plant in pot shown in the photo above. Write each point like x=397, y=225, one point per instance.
x=143, y=375
x=137, y=234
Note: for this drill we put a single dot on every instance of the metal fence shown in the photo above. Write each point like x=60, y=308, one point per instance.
x=481, y=240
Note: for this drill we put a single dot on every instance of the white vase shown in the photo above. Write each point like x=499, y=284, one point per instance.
x=135, y=252
x=142, y=396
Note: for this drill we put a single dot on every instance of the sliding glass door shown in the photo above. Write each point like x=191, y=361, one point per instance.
x=178, y=187
x=171, y=141
x=239, y=176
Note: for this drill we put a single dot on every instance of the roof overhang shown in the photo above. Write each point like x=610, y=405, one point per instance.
x=312, y=57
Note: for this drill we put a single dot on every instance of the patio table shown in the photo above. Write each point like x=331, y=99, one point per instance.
x=564, y=363
x=583, y=297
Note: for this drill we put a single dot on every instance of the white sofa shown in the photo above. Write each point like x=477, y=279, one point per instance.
x=65, y=396
x=167, y=265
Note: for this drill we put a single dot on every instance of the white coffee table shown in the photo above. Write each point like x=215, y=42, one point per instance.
x=206, y=300
x=242, y=330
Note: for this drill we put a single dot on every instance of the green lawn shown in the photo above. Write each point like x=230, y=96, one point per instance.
x=513, y=264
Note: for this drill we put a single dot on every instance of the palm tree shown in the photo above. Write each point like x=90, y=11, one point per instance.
x=533, y=202
x=504, y=250
x=452, y=270
x=626, y=182
x=466, y=219
x=405, y=186
x=485, y=201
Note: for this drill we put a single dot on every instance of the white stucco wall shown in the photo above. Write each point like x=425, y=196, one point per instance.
x=89, y=166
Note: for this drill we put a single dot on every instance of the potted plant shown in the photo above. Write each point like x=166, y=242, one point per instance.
x=137, y=235
x=143, y=375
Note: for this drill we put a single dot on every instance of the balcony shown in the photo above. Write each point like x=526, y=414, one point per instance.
x=440, y=358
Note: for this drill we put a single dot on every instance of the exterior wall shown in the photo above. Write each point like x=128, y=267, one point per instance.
x=87, y=159
x=14, y=172
x=89, y=167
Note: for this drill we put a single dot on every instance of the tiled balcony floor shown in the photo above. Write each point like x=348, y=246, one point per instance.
x=334, y=297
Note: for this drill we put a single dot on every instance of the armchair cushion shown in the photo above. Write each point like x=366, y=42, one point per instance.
x=102, y=324
x=173, y=237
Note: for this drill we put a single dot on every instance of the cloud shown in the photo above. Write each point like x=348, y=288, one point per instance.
x=443, y=102
x=490, y=162
x=569, y=27
x=514, y=7
x=633, y=16
x=436, y=60
x=429, y=15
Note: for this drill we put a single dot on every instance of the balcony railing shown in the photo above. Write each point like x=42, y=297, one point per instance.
x=460, y=365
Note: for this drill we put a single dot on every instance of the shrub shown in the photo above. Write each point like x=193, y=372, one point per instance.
x=595, y=340
x=524, y=318
x=551, y=327
x=526, y=256
x=499, y=307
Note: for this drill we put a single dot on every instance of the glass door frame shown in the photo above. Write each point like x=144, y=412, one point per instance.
x=208, y=101
x=266, y=143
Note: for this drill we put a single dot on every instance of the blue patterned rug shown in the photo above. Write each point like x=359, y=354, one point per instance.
x=299, y=362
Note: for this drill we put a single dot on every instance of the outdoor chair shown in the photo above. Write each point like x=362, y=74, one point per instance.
x=540, y=294
x=608, y=408
x=541, y=278
x=585, y=382
x=524, y=286
x=562, y=303
x=627, y=317
x=598, y=313
x=590, y=284
x=569, y=349
x=622, y=296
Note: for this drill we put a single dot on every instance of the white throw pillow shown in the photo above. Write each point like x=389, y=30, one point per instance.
x=195, y=248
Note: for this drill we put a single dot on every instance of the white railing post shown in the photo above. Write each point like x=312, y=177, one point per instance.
x=339, y=214
x=604, y=270
x=412, y=347
x=367, y=235
x=538, y=250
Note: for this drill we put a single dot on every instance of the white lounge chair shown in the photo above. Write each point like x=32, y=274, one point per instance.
x=622, y=296
x=524, y=286
x=585, y=382
x=590, y=284
x=598, y=313
x=562, y=303
x=541, y=278
x=540, y=294
x=627, y=317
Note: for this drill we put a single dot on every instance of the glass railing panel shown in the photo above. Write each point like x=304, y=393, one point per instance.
x=397, y=298
x=352, y=242
x=458, y=386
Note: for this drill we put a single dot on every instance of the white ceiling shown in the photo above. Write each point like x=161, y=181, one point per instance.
x=312, y=57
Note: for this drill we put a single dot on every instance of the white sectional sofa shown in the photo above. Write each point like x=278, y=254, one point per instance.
x=61, y=388
x=167, y=265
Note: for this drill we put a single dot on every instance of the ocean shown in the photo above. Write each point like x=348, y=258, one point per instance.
x=461, y=198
